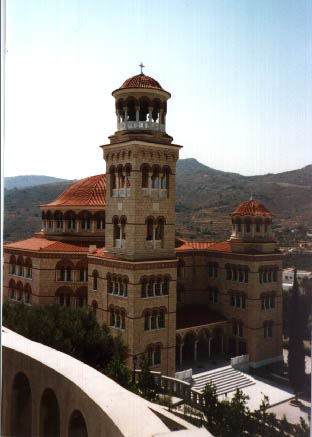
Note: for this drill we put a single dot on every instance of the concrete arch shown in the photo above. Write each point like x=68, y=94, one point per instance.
x=49, y=425
x=21, y=406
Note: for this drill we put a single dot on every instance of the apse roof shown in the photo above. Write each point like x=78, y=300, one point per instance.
x=251, y=207
x=90, y=191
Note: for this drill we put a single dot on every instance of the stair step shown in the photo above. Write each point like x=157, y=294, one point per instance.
x=222, y=381
x=219, y=378
x=225, y=384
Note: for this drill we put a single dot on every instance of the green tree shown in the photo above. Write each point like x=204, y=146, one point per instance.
x=147, y=387
x=120, y=373
x=296, y=357
x=74, y=331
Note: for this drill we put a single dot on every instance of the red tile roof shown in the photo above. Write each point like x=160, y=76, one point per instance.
x=224, y=246
x=100, y=252
x=141, y=81
x=251, y=207
x=194, y=245
x=196, y=316
x=44, y=245
x=90, y=191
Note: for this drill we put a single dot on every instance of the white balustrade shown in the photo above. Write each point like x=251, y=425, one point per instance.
x=150, y=125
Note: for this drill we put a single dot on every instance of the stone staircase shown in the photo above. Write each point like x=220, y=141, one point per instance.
x=226, y=380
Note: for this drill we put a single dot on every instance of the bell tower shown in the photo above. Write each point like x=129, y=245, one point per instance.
x=141, y=167
x=139, y=265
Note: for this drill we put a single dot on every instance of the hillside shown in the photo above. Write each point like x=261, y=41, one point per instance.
x=204, y=199
x=29, y=181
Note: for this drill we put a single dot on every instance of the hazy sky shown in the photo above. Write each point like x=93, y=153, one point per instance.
x=239, y=71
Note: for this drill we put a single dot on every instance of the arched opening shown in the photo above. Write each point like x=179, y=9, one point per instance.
x=49, y=415
x=20, y=266
x=77, y=426
x=21, y=407
x=70, y=220
x=189, y=346
x=145, y=177
x=12, y=268
x=58, y=216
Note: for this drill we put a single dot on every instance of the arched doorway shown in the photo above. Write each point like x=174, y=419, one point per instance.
x=77, y=426
x=21, y=407
x=49, y=415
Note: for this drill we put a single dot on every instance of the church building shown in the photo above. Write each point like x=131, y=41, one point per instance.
x=109, y=242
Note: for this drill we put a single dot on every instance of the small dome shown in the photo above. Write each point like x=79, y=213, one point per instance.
x=251, y=207
x=141, y=81
x=90, y=191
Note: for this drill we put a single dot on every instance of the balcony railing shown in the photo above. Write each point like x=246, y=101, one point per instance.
x=150, y=125
x=153, y=244
x=121, y=192
x=155, y=192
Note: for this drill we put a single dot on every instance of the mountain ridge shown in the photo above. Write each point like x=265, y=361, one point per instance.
x=204, y=199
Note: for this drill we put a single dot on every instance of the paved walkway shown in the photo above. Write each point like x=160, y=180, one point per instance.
x=292, y=413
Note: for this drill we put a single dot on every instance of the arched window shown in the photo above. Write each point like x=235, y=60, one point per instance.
x=238, y=300
x=151, y=287
x=125, y=287
x=158, y=287
x=154, y=320
x=113, y=181
x=155, y=232
x=20, y=266
x=145, y=177
x=144, y=288
x=154, y=355
x=123, y=320
x=150, y=229
x=28, y=268
x=165, y=287
x=12, y=266
x=147, y=319
x=268, y=301
x=155, y=178
x=161, y=319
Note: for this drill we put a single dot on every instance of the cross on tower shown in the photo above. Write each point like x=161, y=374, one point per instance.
x=142, y=66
